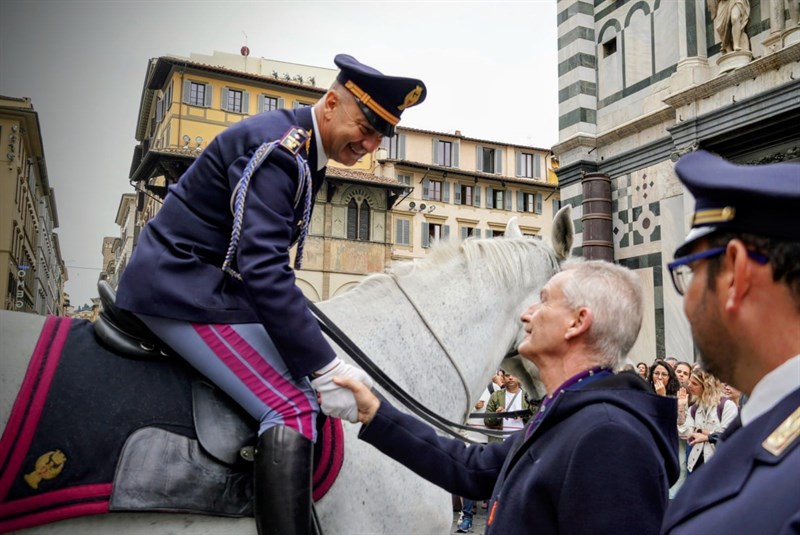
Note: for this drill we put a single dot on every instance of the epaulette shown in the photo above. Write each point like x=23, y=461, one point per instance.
x=294, y=139
x=784, y=435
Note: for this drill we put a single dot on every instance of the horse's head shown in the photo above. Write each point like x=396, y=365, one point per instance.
x=561, y=237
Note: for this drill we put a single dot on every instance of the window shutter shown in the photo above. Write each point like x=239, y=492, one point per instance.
x=489, y=197
x=445, y=191
x=479, y=158
x=498, y=161
x=426, y=239
x=435, y=157
x=385, y=143
x=463, y=233
x=187, y=91
x=476, y=197
x=457, y=194
x=538, y=203
x=455, y=153
x=159, y=110
x=245, y=102
x=518, y=158
x=401, y=146
x=477, y=233
x=208, y=95
x=537, y=165
x=425, y=188
x=520, y=201
x=281, y=104
x=260, y=103
x=445, y=232
x=507, y=195
x=223, y=103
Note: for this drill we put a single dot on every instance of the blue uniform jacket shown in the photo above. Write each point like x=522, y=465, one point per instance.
x=744, y=488
x=175, y=269
x=600, y=461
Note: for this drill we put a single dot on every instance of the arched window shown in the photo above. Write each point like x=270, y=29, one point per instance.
x=358, y=220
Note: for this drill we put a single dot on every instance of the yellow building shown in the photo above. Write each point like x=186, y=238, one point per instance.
x=32, y=271
x=366, y=215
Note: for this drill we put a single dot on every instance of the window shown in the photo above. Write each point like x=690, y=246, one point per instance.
x=402, y=232
x=395, y=146
x=235, y=100
x=556, y=205
x=529, y=202
x=496, y=199
x=445, y=153
x=197, y=94
x=470, y=232
x=298, y=104
x=358, y=220
x=168, y=96
x=610, y=47
x=268, y=103
x=434, y=231
x=465, y=196
x=435, y=190
x=498, y=233
x=529, y=165
x=489, y=160
x=405, y=179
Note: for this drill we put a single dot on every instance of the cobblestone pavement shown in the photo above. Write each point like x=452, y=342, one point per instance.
x=478, y=521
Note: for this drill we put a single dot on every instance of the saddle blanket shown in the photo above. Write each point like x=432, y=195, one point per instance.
x=77, y=407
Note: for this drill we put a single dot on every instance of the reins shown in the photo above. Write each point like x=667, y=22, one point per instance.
x=386, y=382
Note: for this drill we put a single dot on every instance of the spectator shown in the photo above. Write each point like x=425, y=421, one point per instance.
x=682, y=371
x=642, y=370
x=510, y=399
x=663, y=379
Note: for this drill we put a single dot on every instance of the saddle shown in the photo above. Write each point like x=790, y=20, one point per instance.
x=125, y=334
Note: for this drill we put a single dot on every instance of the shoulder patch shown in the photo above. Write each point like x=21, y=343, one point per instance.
x=294, y=139
x=784, y=435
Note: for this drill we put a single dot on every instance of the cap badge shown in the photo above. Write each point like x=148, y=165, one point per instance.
x=411, y=98
x=784, y=435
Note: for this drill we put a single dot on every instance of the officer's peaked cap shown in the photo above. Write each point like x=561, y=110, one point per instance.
x=381, y=98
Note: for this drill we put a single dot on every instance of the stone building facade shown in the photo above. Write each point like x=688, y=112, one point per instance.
x=32, y=271
x=640, y=84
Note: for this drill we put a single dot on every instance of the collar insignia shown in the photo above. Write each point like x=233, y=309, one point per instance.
x=784, y=435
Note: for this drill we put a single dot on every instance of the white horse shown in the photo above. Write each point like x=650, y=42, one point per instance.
x=439, y=327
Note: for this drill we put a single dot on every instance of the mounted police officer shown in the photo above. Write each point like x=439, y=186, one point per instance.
x=211, y=273
x=739, y=272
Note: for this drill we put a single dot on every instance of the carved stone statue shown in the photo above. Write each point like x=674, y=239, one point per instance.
x=730, y=23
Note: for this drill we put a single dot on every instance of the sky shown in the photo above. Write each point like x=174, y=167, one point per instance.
x=490, y=69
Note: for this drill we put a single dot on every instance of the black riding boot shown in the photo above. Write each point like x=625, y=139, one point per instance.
x=283, y=460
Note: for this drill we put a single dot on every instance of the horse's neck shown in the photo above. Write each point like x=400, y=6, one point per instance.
x=412, y=326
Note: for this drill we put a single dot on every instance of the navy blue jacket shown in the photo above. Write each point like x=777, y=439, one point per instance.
x=175, y=269
x=744, y=488
x=600, y=461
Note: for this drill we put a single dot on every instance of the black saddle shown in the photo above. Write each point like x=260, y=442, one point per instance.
x=122, y=332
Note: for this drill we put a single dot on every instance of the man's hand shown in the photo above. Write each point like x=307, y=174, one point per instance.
x=334, y=400
x=366, y=401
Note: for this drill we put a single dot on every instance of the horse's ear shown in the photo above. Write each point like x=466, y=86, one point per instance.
x=563, y=232
x=512, y=229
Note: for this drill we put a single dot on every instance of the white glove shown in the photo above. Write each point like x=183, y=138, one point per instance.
x=337, y=401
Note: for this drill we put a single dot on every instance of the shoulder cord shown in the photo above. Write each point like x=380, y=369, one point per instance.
x=240, y=194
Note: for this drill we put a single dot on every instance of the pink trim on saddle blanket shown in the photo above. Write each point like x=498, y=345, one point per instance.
x=332, y=443
x=19, y=432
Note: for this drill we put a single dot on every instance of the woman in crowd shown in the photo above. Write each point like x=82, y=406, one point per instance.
x=706, y=419
x=663, y=379
x=641, y=369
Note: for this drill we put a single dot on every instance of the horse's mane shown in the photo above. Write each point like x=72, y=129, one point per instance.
x=505, y=259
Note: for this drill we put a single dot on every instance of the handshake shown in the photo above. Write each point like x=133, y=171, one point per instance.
x=338, y=401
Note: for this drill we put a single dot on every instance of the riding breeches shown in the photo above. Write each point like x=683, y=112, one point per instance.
x=242, y=360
